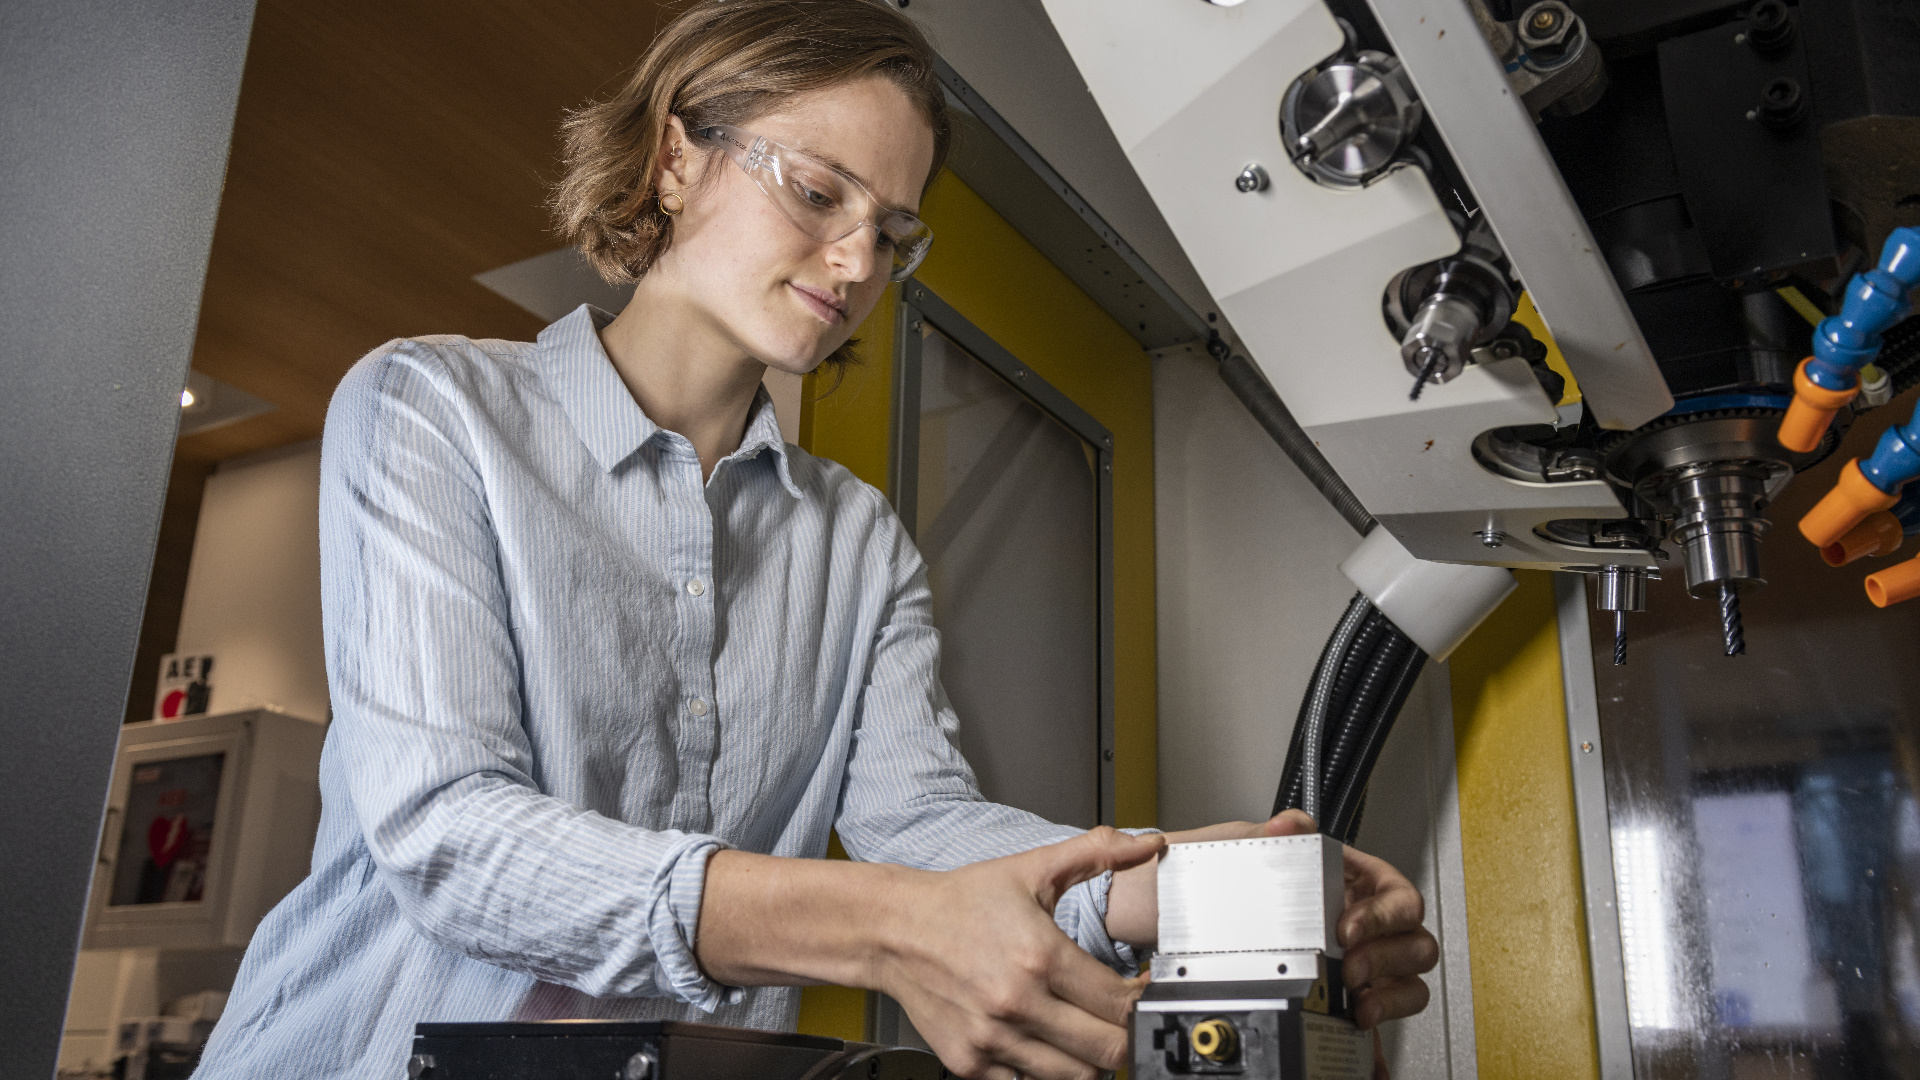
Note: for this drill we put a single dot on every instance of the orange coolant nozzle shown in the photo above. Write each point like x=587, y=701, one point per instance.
x=1812, y=410
x=1895, y=583
x=1850, y=501
x=1880, y=534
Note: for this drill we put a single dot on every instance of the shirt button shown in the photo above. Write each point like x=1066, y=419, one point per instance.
x=697, y=707
x=695, y=587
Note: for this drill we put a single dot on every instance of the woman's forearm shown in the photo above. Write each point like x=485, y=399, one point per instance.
x=767, y=921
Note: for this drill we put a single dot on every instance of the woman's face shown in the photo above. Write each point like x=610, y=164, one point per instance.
x=779, y=295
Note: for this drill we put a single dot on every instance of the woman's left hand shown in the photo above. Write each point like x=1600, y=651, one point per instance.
x=1387, y=950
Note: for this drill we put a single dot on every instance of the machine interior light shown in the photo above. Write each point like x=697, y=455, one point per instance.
x=1644, y=933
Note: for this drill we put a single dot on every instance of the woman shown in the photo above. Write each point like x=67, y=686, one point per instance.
x=609, y=660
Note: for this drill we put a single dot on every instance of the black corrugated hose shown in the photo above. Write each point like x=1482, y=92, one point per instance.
x=1346, y=735
x=1900, y=354
x=1368, y=666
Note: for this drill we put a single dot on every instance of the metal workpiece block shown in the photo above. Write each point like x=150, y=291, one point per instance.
x=1234, y=966
x=1276, y=894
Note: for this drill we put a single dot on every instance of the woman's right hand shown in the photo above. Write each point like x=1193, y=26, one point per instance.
x=991, y=982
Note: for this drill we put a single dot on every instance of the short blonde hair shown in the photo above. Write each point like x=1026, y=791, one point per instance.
x=721, y=62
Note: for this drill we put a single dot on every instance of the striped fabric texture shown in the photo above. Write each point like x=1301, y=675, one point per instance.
x=565, y=671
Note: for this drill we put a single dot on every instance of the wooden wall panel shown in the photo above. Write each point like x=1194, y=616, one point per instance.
x=383, y=154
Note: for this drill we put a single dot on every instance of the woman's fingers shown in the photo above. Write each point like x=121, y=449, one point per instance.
x=1289, y=822
x=1039, y=1061
x=1411, y=953
x=1036, y=1051
x=1059, y=867
x=1390, y=999
x=990, y=979
x=1089, y=1036
x=1381, y=901
x=1032, y=1059
x=1092, y=987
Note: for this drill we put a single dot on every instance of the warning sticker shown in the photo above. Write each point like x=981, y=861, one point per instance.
x=1335, y=1049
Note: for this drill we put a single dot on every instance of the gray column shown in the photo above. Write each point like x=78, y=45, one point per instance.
x=115, y=116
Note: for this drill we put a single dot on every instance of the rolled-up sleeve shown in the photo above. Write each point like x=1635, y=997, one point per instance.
x=427, y=703
x=909, y=796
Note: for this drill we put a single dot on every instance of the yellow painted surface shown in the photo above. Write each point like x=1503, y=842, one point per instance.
x=1798, y=301
x=988, y=272
x=1529, y=316
x=838, y=1012
x=1004, y=286
x=844, y=415
x=1526, y=928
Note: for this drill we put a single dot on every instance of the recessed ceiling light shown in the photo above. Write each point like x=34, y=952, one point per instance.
x=207, y=403
x=553, y=284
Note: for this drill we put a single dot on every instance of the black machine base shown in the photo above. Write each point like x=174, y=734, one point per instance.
x=1240, y=1035
x=651, y=1050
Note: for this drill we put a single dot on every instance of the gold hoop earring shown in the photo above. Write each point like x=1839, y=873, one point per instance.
x=679, y=203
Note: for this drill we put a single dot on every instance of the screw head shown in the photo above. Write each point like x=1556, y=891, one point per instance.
x=640, y=1066
x=1252, y=178
x=1586, y=748
x=1782, y=105
x=1548, y=28
x=1492, y=538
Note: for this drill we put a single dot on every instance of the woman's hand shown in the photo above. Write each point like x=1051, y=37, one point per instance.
x=973, y=954
x=990, y=981
x=1387, y=950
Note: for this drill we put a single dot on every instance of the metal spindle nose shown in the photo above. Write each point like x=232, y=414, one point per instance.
x=1620, y=589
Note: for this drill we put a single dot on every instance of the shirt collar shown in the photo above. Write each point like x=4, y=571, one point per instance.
x=603, y=412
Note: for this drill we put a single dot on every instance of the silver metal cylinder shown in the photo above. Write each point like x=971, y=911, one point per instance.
x=1621, y=588
x=1446, y=324
x=1346, y=121
x=1718, y=523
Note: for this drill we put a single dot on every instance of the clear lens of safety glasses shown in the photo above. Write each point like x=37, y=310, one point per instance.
x=822, y=201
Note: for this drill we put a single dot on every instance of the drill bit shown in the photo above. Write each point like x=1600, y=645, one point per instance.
x=1434, y=358
x=1734, y=634
x=1619, y=639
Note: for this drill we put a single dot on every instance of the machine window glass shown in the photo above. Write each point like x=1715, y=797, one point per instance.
x=1766, y=839
x=1007, y=520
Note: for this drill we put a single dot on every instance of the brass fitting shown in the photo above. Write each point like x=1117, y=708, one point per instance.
x=1215, y=1040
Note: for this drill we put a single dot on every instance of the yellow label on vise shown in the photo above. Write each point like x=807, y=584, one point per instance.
x=1335, y=1050
x=1528, y=316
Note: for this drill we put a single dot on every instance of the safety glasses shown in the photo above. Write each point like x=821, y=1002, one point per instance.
x=822, y=201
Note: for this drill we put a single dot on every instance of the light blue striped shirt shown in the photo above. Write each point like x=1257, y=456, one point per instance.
x=564, y=672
